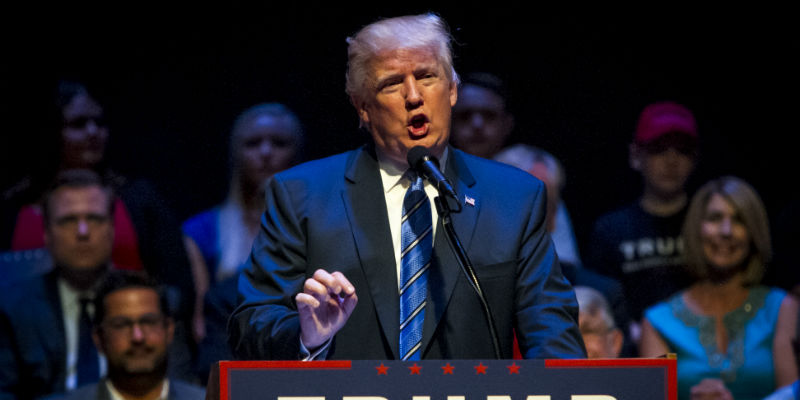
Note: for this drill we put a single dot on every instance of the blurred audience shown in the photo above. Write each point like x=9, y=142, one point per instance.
x=481, y=122
x=600, y=334
x=45, y=325
x=265, y=139
x=733, y=337
x=482, y=125
x=147, y=236
x=640, y=244
x=133, y=329
x=549, y=170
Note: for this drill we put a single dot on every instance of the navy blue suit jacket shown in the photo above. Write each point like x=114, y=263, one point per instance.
x=32, y=340
x=331, y=214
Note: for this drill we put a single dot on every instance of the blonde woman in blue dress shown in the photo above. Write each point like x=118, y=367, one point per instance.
x=733, y=338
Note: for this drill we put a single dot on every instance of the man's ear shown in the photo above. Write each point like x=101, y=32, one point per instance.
x=97, y=338
x=453, y=94
x=361, y=109
x=170, y=329
x=616, y=341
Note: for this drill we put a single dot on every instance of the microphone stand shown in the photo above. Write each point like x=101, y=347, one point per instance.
x=443, y=208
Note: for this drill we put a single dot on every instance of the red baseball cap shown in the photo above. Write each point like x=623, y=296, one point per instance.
x=661, y=118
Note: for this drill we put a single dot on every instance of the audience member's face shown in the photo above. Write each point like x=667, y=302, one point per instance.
x=410, y=104
x=80, y=231
x=84, y=133
x=134, y=334
x=665, y=173
x=267, y=145
x=480, y=121
x=726, y=241
x=600, y=343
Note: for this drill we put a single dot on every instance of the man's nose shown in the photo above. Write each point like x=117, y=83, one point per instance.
x=476, y=120
x=92, y=127
x=83, y=228
x=413, y=95
x=137, y=334
x=265, y=149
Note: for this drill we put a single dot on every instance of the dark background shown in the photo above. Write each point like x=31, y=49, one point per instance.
x=172, y=80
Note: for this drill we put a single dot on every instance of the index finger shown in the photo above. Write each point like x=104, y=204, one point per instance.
x=335, y=282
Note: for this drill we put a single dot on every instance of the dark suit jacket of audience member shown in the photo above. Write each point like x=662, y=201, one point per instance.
x=220, y=301
x=331, y=213
x=33, y=350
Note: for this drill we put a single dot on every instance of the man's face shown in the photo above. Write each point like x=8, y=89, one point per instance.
x=134, y=334
x=267, y=144
x=80, y=231
x=480, y=121
x=600, y=341
x=84, y=133
x=409, y=104
x=666, y=173
x=665, y=164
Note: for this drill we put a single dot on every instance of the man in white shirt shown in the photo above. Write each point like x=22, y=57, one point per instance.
x=45, y=325
x=133, y=330
x=333, y=272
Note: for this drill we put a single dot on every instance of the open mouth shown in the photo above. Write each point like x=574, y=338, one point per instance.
x=418, y=125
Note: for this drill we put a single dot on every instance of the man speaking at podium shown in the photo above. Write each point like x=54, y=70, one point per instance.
x=352, y=261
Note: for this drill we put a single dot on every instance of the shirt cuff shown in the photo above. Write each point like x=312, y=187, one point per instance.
x=320, y=354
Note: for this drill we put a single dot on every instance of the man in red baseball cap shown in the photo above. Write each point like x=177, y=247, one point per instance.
x=640, y=244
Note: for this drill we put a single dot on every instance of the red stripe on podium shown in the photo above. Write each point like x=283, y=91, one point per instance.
x=668, y=363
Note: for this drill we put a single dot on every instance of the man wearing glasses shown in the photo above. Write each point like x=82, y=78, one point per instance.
x=133, y=330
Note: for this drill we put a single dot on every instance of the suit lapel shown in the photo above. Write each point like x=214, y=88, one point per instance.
x=53, y=321
x=366, y=209
x=443, y=277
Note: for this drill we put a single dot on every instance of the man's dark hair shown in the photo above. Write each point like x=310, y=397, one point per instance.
x=118, y=280
x=75, y=179
x=488, y=81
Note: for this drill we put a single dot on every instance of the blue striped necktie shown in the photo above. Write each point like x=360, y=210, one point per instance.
x=416, y=247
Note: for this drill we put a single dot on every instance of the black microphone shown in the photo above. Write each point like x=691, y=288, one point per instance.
x=421, y=160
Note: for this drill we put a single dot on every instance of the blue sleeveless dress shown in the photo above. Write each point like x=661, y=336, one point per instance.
x=746, y=366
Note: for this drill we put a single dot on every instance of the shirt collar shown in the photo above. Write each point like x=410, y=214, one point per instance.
x=115, y=394
x=392, y=172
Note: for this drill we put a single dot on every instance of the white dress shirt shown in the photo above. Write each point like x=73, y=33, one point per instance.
x=71, y=313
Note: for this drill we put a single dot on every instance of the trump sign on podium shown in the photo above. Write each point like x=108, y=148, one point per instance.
x=448, y=380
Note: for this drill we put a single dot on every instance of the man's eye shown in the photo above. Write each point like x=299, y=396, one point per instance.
x=67, y=221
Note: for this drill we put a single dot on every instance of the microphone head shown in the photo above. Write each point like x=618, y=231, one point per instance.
x=418, y=154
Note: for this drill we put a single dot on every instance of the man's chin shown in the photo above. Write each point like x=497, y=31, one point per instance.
x=144, y=367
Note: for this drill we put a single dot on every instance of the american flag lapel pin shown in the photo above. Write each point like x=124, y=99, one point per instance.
x=469, y=200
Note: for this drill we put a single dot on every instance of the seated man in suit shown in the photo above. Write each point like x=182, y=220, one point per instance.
x=133, y=329
x=45, y=325
x=350, y=262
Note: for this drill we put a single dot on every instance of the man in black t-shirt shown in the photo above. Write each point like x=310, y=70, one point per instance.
x=640, y=244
